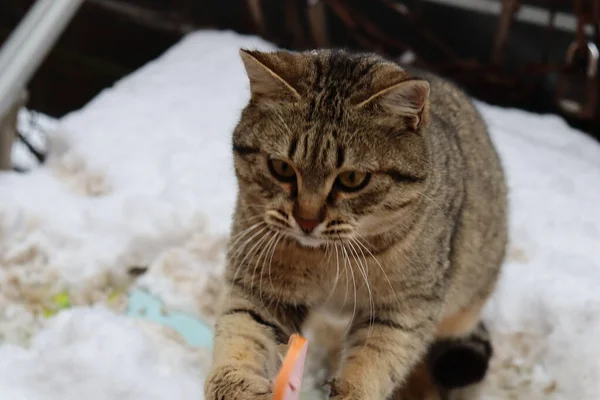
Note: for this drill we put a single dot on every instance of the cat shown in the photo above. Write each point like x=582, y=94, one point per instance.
x=368, y=189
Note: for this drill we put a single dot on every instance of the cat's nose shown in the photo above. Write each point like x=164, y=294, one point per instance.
x=307, y=225
x=307, y=220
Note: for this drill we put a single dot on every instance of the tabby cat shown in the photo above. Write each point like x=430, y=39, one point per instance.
x=365, y=190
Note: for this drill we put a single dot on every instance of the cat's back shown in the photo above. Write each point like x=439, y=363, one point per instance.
x=458, y=130
x=454, y=115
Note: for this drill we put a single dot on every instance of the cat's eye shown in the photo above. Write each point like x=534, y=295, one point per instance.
x=281, y=170
x=353, y=181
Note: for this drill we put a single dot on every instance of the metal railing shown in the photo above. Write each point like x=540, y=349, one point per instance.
x=21, y=55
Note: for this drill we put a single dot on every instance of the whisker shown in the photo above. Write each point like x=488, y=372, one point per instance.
x=252, y=217
x=330, y=255
x=272, y=248
x=280, y=221
x=238, y=236
x=433, y=202
x=365, y=240
x=279, y=226
x=267, y=250
x=279, y=236
x=345, y=252
x=380, y=267
x=237, y=267
x=366, y=279
x=252, y=253
x=264, y=249
x=238, y=250
x=362, y=268
x=337, y=273
x=345, y=274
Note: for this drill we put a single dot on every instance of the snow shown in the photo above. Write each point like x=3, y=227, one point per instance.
x=548, y=290
x=142, y=176
x=96, y=355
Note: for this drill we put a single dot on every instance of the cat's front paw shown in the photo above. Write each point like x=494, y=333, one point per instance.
x=235, y=382
x=340, y=389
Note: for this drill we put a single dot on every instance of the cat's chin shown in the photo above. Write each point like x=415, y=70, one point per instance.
x=306, y=241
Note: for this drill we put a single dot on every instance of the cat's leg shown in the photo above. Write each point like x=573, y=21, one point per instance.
x=245, y=356
x=419, y=386
x=380, y=353
x=459, y=357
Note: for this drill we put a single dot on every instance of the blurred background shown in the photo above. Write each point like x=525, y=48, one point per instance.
x=539, y=55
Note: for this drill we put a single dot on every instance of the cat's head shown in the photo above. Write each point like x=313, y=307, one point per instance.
x=330, y=145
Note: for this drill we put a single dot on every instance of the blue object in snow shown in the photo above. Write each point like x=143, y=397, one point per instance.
x=195, y=331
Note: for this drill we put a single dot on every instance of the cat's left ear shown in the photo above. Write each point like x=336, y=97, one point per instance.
x=271, y=75
x=409, y=98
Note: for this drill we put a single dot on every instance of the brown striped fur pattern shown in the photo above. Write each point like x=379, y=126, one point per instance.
x=408, y=243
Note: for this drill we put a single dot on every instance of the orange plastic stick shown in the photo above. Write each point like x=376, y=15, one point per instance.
x=288, y=380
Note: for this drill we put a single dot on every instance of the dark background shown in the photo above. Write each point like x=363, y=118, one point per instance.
x=111, y=38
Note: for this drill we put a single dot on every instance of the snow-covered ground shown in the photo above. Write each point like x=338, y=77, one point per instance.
x=142, y=176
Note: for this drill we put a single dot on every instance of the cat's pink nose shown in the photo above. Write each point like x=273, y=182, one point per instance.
x=308, y=219
x=307, y=225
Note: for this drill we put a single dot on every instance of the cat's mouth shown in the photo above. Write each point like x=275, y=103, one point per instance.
x=309, y=241
x=318, y=236
x=314, y=241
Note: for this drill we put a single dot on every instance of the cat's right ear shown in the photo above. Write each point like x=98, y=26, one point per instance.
x=266, y=72
x=408, y=99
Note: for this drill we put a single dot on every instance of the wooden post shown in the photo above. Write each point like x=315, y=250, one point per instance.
x=509, y=8
x=8, y=132
x=255, y=8
x=317, y=19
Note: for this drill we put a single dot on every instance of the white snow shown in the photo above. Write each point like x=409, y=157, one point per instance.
x=95, y=355
x=142, y=176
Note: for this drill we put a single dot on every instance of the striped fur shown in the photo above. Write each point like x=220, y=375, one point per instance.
x=410, y=258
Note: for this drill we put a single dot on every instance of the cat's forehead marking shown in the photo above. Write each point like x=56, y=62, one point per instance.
x=293, y=147
x=314, y=148
x=340, y=156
